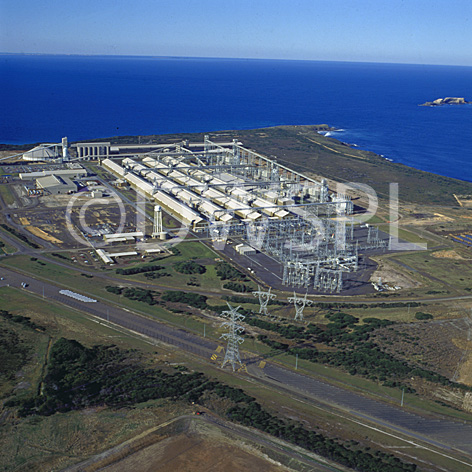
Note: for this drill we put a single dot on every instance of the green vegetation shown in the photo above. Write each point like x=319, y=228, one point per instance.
x=350, y=348
x=6, y=248
x=20, y=236
x=189, y=267
x=60, y=256
x=423, y=316
x=139, y=270
x=186, y=298
x=13, y=353
x=288, y=331
x=24, y=320
x=79, y=377
x=156, y=275
x=438, y=273
x=139, y=294
x=226, y=271
x=356, y=353
x=237, y=287
x=190, y=258
x=239, y=299
x=278, y=346
x=6, y=195
x=252, y=414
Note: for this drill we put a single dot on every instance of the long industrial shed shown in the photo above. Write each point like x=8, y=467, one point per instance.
x=176, y=208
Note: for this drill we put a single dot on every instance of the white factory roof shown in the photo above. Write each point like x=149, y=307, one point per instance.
x=281, y=213
x=226, y=218
x=215, y=195
x=113, y=167
x=123, y=254
x=153, y=250
x=136, y=234
x=178, y=208
x=142, y=185
x=151, y=162
x=104, y=256
x=233, y=204
x=50, y=181
x=184, y=195
x=271, y=195
x=175, y=189
x=189, y=196
x=44, y=173
x=245, y=249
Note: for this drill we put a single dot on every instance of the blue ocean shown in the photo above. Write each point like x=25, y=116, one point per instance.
x=44, y=98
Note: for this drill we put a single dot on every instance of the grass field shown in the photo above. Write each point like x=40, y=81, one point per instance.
x=5, y=247
x=404, y=234
x=6, y=195
x=190, y=250
x=441, y=273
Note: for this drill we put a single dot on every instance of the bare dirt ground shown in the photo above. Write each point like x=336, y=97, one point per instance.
x=424, y=219
x=184, y=446
x=393, y=274
x=192, y=453
x=449, y=254
x=464, y=200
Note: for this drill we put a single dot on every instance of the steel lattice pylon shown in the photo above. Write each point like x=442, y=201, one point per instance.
x=264, y=298
x=300, y=304
x=234, y=329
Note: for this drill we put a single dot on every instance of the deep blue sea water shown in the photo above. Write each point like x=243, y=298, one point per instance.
x=44, y=98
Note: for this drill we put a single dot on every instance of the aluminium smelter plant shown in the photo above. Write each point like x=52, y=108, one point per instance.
x=226, y=190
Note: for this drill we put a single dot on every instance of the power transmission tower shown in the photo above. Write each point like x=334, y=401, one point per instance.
x=234, y=329
x=300, y=304
x=264, y=298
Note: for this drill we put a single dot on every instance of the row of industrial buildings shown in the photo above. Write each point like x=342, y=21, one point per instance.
x=195, y=196
x=57, y=181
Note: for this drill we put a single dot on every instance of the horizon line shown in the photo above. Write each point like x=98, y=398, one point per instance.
x=3, y=53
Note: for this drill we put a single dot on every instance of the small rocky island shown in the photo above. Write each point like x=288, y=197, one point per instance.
x=445, y=101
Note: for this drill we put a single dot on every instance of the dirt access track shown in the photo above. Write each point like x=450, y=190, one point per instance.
x=204, y=444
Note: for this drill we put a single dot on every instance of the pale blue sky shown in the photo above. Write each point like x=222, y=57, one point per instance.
x=410, y=31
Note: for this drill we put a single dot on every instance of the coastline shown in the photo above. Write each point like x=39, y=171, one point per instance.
x=303, y=148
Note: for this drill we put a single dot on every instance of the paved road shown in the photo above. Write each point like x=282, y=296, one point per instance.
x=444, y=433
x=43, y=255
x=434, y=430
